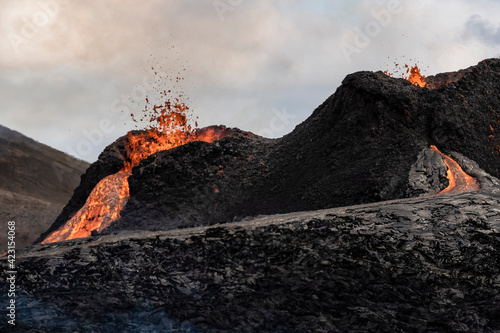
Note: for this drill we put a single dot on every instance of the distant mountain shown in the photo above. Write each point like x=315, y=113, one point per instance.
x=36, y=181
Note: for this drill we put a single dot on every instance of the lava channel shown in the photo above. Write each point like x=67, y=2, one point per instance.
x=459, y=181
x=102, y=207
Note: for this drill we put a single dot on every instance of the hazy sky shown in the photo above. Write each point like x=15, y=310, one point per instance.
x=67, y=68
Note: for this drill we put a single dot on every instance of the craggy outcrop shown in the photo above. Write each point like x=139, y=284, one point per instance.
x=428, y=174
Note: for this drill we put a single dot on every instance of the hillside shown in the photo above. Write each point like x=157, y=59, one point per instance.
x=36, y=181
x=379, y=213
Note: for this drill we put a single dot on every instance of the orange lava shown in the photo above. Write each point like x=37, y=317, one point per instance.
x=458, y=180
x=413, y=75
x=102, y=207
x=168, y=128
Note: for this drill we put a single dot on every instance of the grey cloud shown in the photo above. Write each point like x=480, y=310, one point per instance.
x=483, y=30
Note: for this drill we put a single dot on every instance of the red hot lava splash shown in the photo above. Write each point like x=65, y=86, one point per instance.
x=169, y=127
x=458, y=180
x=412, y=74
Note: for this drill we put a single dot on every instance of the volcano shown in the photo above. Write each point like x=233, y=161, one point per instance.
x=379, y=213
x=359, y=146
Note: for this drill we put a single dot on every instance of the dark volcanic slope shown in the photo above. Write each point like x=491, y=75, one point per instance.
x=36, y=181
x=357, y=147
x=414, y=265
x=30, y=168
x=110, y=161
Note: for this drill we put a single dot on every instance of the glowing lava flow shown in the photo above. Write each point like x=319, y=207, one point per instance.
x=459, y=181
x=102, y=207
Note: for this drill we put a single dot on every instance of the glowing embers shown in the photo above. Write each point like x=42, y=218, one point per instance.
x=102, y=207
x=412, y=74
x=459, y=181
x=140, y=146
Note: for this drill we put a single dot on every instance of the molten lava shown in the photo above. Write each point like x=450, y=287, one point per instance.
x=102, y=207
x=414, y=75
x=458, y=180
x=168, y=128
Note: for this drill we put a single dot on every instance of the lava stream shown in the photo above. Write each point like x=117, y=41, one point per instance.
x=459, y=181
x=103, y=206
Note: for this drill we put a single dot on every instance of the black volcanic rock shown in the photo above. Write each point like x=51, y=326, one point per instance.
x=195, y=184
x=467, y=114
x=111, y=160
x=413, y=265
x=357, y=147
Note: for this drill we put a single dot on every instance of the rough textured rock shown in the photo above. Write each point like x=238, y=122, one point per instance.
x=428, y=173
x=411, y=265
x=467, y=116
x=487, y=182
x=357, y=147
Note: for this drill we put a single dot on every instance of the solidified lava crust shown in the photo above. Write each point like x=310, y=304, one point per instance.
x=414, y=265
